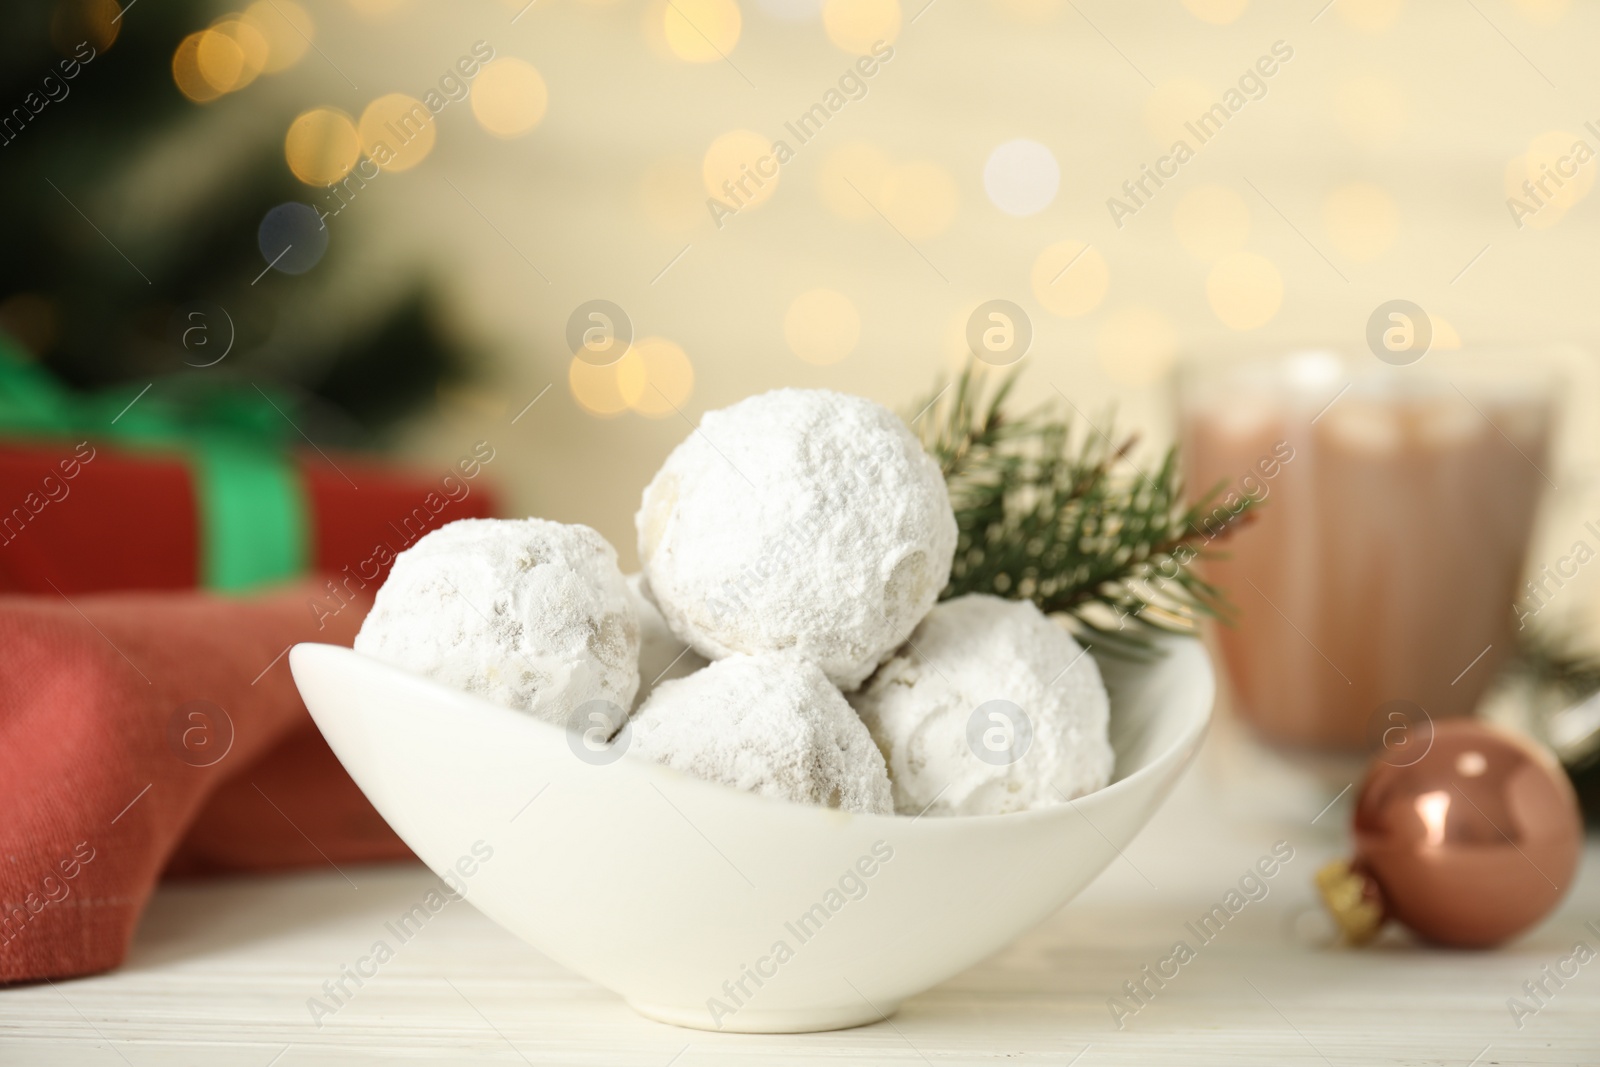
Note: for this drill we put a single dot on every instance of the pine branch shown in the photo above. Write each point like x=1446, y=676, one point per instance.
x=1562, y=673
x=1557, y=661
x=1061, y=515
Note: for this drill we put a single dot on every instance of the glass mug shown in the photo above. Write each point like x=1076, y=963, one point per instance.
x=1396, y=507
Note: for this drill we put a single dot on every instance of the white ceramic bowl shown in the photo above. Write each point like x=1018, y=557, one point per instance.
x=712, y=908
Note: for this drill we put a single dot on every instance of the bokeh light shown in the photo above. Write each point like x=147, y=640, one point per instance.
x=1528, y=211
x=822, y=326
x=186, y=70
x=292, y=238
x=1370, y=110
x=655, y=377
x=1070, y=279
x=1136, y=345
x=849, y=179
x=1211, y=221
x=322, y=146
x=76, y=21
x=286, y=27
x=701, y=31
x=397, y=131
x=652, y=27
x=740, y=169
x=1555, y=173
x=509, y=97
x=1217, y=12
x=220, y=60
x=1021, y=177
x=596, y=389
x=1361, y=220
x=1245, y=290
x=252, y=48
x=918, y=199
x=1564, y=157
x=858, y=25
x=1445, y=337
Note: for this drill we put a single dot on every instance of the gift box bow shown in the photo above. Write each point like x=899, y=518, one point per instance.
x=250, y=502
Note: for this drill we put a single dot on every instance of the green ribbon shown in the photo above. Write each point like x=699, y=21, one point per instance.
x=252, y=508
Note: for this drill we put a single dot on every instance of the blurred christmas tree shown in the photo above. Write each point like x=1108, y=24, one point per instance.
x=138, y=182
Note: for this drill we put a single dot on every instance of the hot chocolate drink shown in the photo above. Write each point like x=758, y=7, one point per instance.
x=1383, y=560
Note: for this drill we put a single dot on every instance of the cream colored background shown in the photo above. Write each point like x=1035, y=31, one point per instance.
x=1378, y=159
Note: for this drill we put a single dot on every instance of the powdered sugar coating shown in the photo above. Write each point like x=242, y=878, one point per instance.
x=970, y=651
x=799, y=519
x=663, y=655
x=530, y=614
x=770, y=724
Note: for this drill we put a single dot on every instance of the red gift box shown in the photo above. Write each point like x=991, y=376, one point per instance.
x=91, y=517
x=129, y=513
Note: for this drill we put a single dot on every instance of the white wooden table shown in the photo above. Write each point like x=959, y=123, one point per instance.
x=221, y=973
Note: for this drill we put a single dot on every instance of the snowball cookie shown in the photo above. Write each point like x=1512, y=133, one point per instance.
x=530, y=614
x=663, y=655
x=945, y=712
x=771, y=724
x=798, y=519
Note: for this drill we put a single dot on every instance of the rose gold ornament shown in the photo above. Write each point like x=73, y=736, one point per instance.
x=1468, y=846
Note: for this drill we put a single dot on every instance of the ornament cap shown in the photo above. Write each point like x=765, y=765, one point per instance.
x=1352, y=898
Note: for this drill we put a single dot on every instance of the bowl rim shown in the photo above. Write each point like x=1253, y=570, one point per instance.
x=552, y=734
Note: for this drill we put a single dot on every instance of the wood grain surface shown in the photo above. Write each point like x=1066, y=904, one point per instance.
x=222, y=972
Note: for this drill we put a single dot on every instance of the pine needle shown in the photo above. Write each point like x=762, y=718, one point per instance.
x=1058, y=513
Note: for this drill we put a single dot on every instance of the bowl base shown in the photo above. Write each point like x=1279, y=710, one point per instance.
x=757, y=1021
